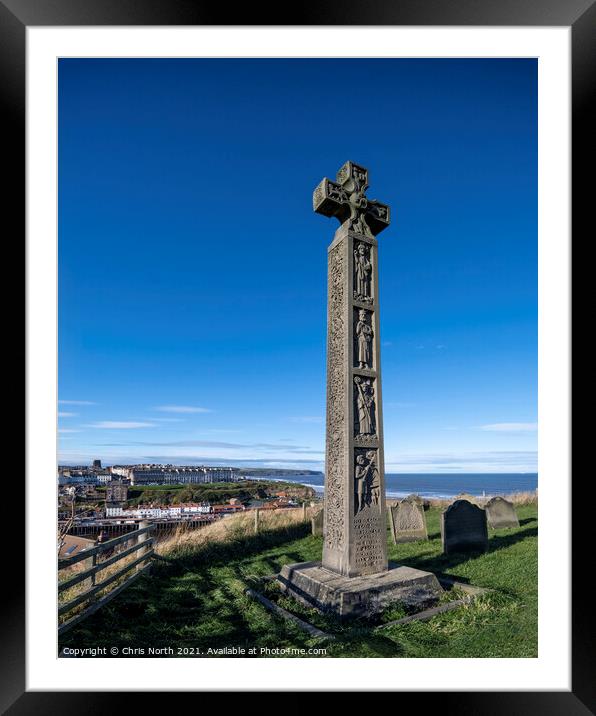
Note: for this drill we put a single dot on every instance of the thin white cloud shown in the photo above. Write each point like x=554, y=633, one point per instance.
x=68, y=430
x=181, y=409
x=64, y=414
x=492, y=461
x=77, y=402
x=76, y=457
x=119, y=424
x=258, y=447
x=223, y=430
x=510, y=427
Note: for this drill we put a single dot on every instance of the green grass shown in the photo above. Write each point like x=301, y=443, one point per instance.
x=215, y=492
x=197, y=601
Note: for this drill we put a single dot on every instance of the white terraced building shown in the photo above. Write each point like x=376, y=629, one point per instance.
x=160, y=511
x=174, y=474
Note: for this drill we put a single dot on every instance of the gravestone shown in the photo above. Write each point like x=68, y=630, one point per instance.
x=317, y=523
x=463, y=528
x=407, y=520
x=425, y=504
x=354, y=534
x=468, y=497
x=500, y=513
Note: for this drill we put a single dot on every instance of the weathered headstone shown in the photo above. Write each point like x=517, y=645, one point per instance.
x=317, y=523
x=415, y=498
x=500, y=513
x=463, y=528
x=407, y=520
x=425, y=504
x=355, y=534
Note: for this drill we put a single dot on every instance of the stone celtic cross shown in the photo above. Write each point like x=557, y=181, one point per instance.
x=355, y=538
x=345, y=199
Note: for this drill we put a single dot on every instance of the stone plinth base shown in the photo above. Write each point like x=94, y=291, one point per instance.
x=314, y=586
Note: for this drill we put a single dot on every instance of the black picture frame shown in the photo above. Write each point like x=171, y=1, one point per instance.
x=580, y=15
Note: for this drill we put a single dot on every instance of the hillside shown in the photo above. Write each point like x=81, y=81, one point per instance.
x=196, y=599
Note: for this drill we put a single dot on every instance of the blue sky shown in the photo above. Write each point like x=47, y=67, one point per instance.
x=192, y=269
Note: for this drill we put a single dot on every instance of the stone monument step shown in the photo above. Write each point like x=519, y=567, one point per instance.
x=313, y=585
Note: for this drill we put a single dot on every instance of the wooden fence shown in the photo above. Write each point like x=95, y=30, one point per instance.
x=114, y=529
x=94, y=564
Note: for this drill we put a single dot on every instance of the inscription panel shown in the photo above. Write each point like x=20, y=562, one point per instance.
x=367, y=545
x=367, y=554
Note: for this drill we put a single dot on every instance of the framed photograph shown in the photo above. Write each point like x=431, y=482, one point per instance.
x=229, y=229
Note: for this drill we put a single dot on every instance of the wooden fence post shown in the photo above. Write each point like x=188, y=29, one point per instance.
x=89, y=563
x=142, y=538
x=93, y=564
x=257, y=512
x=304, y=511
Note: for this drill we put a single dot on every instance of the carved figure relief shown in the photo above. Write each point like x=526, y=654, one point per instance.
x=374, y=477
x=364, y=406
x=362, y=273
x=367, y=480
x=358, y=220
x=363, y=335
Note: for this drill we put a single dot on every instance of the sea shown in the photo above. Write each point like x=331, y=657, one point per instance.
x=437, y=485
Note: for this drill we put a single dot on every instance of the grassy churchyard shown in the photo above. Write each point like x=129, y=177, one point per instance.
x=195, y=598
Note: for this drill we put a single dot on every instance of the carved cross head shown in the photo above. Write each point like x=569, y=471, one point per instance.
x=346, y=200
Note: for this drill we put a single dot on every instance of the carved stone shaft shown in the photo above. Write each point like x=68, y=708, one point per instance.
x=355, y=539
x=355, y=532
x=353, y=577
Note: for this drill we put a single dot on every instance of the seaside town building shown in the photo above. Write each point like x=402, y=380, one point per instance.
x=116, y=492
x=174, y=474
x=78, y=476
x=227, y=509
x=145, y=474
x=181, y=511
